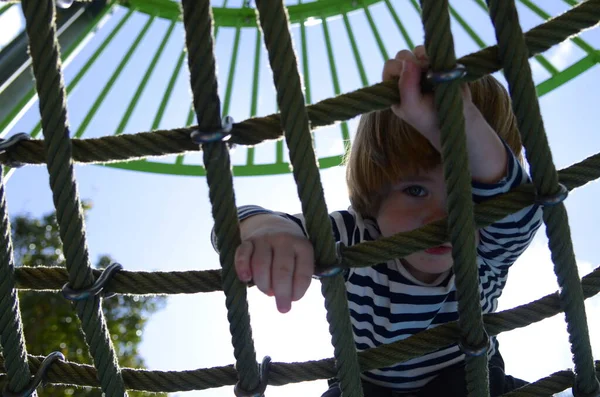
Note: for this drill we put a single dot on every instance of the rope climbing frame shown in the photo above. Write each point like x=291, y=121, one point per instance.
x=59, y=152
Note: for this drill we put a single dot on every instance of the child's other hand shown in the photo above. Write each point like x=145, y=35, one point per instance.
x=280, y=263
x=487, y=156
x=416, y=108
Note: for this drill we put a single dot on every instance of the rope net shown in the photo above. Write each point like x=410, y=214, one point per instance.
x=59, y=153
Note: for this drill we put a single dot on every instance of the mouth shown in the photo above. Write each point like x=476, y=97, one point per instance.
x=439, y=250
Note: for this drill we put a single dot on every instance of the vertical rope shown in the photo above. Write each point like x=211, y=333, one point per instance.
x=294, y=120
x=43, y=45
x=11, y=327
x=513, y=52
x=448, y=100
x=198, y=21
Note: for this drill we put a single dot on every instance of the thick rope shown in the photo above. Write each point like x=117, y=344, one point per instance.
x=550, y=385
x=43, y=45
x=11, y=328
x=364, y=254
x=285, y=373
x=295, y=123
x=198, y=22
x=439, y=44
x=343, y=107
x=514, y=53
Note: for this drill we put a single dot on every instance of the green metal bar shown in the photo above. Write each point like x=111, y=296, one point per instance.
x=246, y=17
x=144, y=81
x=28, y=99
x=106, y=89
x=540, y=58
x=577, y=40
x=335, y=80
x=467, y=28
x=198, y=170
x=232, y=65
x=482, y=5
x=566, y=75
x=5, y=7
x=167, y=95
x=416, y=6
x=400, y=25
x=380, y=44
x=256, y=80
x=361, y=69
x=305, y=63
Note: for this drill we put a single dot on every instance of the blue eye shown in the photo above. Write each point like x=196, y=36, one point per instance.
x=415, y=191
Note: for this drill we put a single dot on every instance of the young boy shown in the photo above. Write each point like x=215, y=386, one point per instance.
x=396, y=184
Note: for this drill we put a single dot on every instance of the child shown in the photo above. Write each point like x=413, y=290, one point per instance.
x=396, y=184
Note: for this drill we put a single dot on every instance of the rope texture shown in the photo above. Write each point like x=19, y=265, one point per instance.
x=67, y=373
x=198, y=22
x=12, y=339
x=295, y=123
x=513, y=51
x=439, y=44
x=329, y=111
x=43, y=45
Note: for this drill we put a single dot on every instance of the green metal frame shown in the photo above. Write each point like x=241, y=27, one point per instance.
x=303, y=14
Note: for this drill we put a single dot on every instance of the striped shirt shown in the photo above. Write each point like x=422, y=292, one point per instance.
x=388, y=304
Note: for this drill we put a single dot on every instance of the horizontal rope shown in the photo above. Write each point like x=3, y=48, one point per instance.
x=190, y=282
x=550, y=385
x=326, y=112
x=67, y=373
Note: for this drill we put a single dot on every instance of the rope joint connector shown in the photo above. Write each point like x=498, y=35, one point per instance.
x=444, y=76
x=475, y=351
x=334, y=270
x=6, y=144
x=259, y=391
x=96, y=288
x=38, y=379
x=555, y=199
x=220, y=134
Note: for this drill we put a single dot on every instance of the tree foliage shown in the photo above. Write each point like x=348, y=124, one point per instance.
x=49, y=320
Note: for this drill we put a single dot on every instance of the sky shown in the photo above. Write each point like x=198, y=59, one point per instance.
x=163, y=222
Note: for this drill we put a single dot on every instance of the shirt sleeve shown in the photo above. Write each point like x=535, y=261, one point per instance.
x=501, y=243
x=347, y=227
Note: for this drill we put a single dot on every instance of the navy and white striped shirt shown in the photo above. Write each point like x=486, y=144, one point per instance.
x=388, y=304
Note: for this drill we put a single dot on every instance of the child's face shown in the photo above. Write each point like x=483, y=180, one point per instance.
x=412, y=202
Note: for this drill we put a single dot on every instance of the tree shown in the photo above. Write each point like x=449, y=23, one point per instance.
x=49, y=320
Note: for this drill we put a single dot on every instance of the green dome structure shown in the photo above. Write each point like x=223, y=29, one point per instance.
x=330, y=66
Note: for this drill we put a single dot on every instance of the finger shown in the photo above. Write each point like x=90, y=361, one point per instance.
x=392, y=68
x=261, y=265
x=405, y=55
x=282, y=276
x=242, y=261
x=410, y=88
x=421, y=56
x=303, y=271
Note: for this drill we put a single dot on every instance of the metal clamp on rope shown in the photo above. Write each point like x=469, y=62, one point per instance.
x=8, y=143
x=475, y=351
x=262, y=385
x=220, y=134
x=38, y=379
x=445, y=76
x=335, y=269
x=557, y=198
x=96, y=288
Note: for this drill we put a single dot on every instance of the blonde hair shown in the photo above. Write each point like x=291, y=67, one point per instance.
x=385, y=147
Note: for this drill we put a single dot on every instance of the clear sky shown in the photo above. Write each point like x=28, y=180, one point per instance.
x=158, y=222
